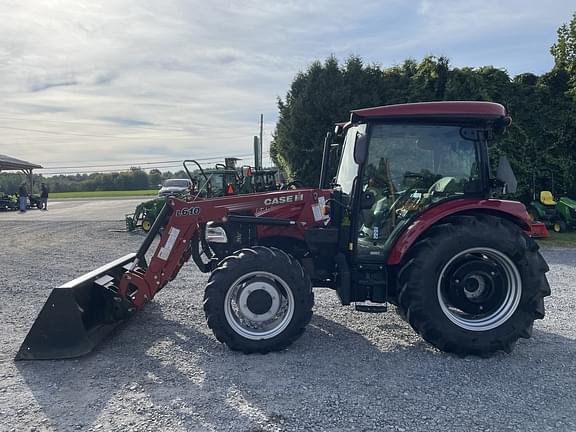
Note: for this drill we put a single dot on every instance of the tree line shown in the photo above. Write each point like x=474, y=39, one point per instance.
x=133, y=179
x=543, y=108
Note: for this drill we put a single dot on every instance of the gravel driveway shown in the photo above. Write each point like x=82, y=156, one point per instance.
x=350, y=371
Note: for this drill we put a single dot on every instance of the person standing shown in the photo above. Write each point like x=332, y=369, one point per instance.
x=23, y=197
x=44, y=196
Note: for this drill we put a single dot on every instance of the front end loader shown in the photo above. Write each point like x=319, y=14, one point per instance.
x=410, y=219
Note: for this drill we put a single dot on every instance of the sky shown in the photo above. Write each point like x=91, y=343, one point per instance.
x=109, y=84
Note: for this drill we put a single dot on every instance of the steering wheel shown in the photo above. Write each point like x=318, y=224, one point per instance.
x=441, y=185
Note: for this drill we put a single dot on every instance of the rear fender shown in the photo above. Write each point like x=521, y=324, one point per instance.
x=510, y=210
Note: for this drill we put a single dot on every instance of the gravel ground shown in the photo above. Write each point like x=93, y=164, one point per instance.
x=350, y=371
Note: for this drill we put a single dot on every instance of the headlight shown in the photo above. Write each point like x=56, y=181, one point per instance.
x=215, y=234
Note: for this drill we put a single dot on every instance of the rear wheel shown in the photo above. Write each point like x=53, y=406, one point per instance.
x=258, y=300
x=474, y=285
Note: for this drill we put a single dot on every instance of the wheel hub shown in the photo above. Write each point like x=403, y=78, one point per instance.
x=259, y=305
x=479, y=289
x=474, y=286
x=259, y=301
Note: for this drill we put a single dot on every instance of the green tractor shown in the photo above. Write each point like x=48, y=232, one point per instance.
x=144, y=215
x=560, y=214
x=219, y=181
x=8, y=202
x=567, y=209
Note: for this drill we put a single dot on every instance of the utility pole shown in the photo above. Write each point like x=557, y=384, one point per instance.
x=261, y=129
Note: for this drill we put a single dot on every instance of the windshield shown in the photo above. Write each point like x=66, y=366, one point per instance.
x=409, y=168
x=176, y=183
x=406, y=156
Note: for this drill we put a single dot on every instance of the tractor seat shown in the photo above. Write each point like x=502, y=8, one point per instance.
x=546, y=198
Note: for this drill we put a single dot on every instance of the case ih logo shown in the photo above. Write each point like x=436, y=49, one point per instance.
x=188, y=211
x=283, y=199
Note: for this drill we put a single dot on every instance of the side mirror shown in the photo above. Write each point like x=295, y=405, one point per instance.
x=505, y=174
x=360, y=148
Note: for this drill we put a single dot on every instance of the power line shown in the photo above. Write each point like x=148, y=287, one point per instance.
x=208, y=158
x=203, y=162
x=129, y=164
x=104, y=171
x=106, y=165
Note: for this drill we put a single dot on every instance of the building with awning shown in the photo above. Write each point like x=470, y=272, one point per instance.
x=9, y=163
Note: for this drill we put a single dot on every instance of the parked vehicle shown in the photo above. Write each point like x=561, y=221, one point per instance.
x=175, y=186
x=410, y=220
x=558, y=213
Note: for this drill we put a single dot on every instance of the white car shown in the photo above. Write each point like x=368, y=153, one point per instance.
x=175, y=187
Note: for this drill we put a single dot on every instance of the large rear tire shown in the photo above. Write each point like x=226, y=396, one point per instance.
x=473, y=285
x=258, y=300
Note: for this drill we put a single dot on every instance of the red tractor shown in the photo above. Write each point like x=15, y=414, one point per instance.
x=409, y=219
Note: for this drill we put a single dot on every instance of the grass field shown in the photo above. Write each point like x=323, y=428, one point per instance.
x=565, y=239
x=103, y=194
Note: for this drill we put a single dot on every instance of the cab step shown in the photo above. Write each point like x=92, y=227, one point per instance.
x=370, y=307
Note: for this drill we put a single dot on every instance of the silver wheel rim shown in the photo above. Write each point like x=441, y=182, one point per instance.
x=259, y=320
x=493, y=282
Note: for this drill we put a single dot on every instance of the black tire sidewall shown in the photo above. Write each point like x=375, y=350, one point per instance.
x=430, y=268
x=247, y=261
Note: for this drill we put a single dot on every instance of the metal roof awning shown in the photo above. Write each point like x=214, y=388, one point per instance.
x=9, y=163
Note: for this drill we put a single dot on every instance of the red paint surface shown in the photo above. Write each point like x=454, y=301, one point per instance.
x=488, y=110
x=141, y=285
x=539, y=230
x=430, y=217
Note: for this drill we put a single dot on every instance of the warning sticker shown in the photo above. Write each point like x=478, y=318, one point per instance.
x=319, y=210
x=165, y=250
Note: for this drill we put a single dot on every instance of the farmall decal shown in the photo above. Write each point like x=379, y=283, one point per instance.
x=285, y=199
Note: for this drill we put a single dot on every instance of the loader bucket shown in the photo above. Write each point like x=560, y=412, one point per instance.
x=78, y=315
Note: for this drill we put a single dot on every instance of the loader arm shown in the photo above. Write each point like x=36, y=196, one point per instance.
x=80, y=313
x=183, y=219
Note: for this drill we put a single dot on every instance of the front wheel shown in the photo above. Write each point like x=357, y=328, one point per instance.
x=147, y=224
x=474, y=285
x=559, y=226
x=258, y=300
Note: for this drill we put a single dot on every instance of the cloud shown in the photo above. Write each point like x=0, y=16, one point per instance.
x=120, y=80
x=51, y=83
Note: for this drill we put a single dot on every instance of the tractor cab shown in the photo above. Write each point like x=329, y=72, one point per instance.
x=400, y=161
x=265, y=180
